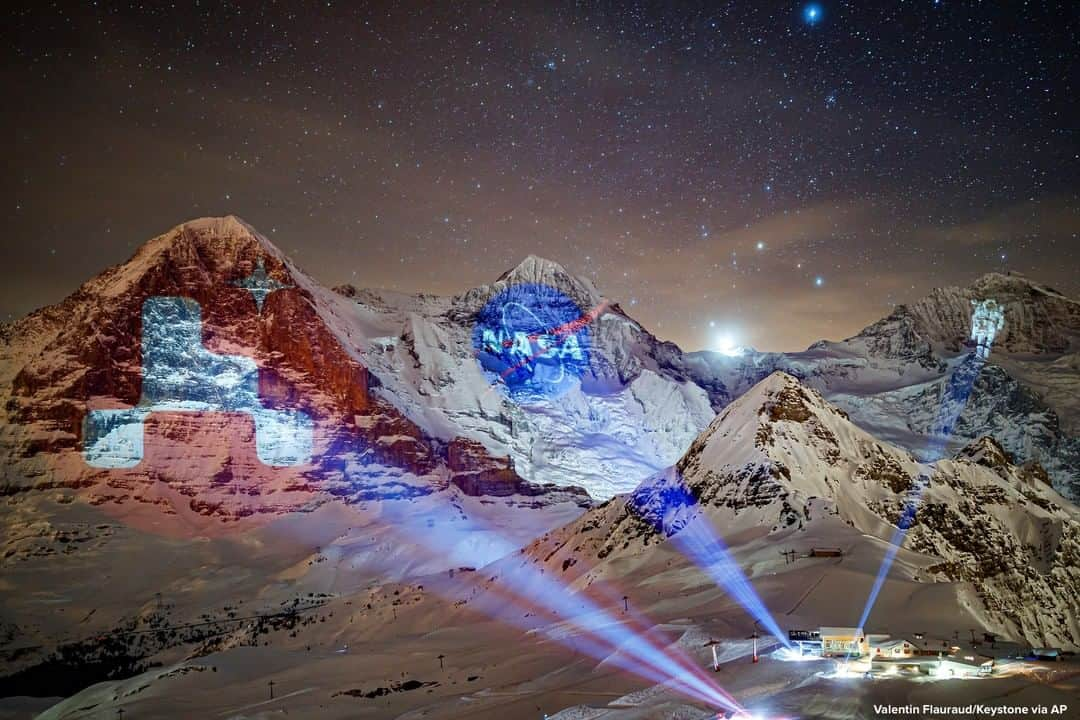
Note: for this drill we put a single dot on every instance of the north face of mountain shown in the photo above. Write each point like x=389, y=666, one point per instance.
x=634, y=412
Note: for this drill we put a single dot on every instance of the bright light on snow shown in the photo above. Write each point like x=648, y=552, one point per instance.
x=794, y=655
x=671, y=508
x=755, y=716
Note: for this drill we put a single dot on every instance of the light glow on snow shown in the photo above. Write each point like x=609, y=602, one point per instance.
x=790, y=654
x=987, y=319
x=518, y=592
x=726, y=344
x=533, y=340
x=756, y=716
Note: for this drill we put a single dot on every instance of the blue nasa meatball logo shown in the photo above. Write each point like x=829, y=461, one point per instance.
x=534, y=339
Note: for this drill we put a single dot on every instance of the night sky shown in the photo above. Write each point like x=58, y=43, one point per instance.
x=744, y=172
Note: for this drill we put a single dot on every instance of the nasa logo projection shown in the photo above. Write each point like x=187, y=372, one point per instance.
x=534, y=339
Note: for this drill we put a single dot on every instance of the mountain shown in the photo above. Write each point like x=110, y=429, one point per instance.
x=397, y=375
x=407, y=362
x=644, y=399
x=633, y=413
x=780, y=465
x=203, y=413
x=142, y=432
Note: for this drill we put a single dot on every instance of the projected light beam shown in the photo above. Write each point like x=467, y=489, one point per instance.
x=670, y=507
x=180, y=375
x=957, y=392
x=524, y=589
x=606, y=639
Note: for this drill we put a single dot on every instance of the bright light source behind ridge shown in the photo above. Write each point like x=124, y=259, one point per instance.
x=726, y=345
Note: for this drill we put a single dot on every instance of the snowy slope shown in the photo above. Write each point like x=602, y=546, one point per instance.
x=645, y=399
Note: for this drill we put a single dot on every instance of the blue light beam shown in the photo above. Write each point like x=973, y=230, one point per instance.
x=957, y=392
x=605, y=639
x=671, y=508
x=522, y=586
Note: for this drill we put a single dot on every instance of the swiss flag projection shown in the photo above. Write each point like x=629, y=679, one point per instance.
x=179, y=374
x=206, y=380
x=222, y=425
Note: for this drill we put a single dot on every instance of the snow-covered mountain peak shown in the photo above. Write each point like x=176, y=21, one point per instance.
x=194, y=253
x=634, y=412
x=782, y=397
x=782, y=437
x=779, y=406
x=536, y=269
x=533, y=270
x=222, y=233
x=224, y=226
x=1015, y=284
x=779, y=458
x=309, y=348
x=1038, y=319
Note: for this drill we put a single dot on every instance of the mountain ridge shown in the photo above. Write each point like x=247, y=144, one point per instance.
x=642, y=392
x=784, y=461
x=61, y=360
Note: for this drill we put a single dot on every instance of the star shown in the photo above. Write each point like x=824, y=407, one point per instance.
x=259, y=284
x=812, y=13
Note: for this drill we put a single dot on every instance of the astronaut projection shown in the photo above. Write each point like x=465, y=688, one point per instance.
x=987, y=319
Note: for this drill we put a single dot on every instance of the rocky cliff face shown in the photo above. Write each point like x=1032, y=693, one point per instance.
x=86, y=353
x=478, y=473
x=1038, y=319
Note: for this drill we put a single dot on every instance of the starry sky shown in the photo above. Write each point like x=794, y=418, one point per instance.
x=730, y=172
